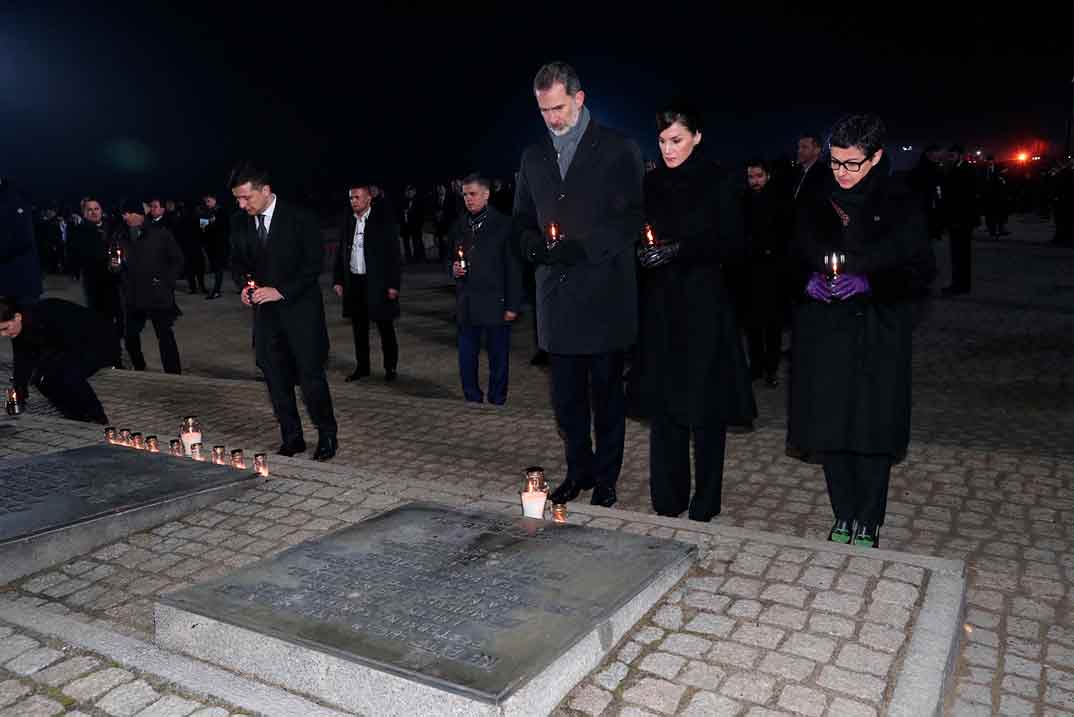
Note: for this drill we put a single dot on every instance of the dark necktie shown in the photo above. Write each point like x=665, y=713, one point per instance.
x=262, y=232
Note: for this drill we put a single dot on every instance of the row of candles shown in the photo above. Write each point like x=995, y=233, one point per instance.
x=188, y=444
x=535, y=495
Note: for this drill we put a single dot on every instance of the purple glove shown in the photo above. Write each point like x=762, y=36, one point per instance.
x=818, y=289
x=848, y=285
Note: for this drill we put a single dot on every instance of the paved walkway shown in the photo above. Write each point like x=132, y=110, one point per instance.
x=988, y=480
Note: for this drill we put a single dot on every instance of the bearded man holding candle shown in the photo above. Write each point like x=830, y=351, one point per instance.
x=584, y=179
x=850, y=378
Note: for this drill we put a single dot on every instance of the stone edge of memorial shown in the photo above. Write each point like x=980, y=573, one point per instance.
x=354, y=685
x=23, y=556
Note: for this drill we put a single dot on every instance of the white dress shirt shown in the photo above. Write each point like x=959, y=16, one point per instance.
x=358, y=245
x=268, y=215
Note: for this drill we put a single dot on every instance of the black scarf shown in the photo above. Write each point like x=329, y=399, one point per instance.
x=850, y=204
x=476, y=220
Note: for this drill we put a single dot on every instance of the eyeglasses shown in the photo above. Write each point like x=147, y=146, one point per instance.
x=851, y=165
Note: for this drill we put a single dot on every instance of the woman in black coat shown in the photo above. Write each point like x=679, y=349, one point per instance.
x=693, y=377
x=850, y=377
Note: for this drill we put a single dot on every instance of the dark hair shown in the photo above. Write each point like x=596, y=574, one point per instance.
x=681, y=112
x=867, y=132
x=358, y=184
x=246, y=171
x=810, y=135
x=758, y=163
x=86, y=200
x=154, y=198
x=557, y=73
x=477, y=178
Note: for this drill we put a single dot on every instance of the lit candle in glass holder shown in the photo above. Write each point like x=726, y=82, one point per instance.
x=261, y=464
x=648, y=236
x=251, y=285
x=110, y=434
x=462, y=258
x=152, y=444
x=175, y=447
x=552, y=234
x=559, y=512
x=195, y=452
x=137, y=441
x=834, y=264
x=534, y=493
x=238, y=460
x=219, y=456
x=12, y=406
x=189, y=432
x=124, y=437
x=115, y=258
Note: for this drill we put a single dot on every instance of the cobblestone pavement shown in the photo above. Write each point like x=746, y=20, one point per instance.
x=988, y=480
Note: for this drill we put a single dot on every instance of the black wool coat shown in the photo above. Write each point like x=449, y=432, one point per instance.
x=692, y=366
x=850, y=369
x=382, y=262
x=588, y=307
x=153, y=264
x=493, y=280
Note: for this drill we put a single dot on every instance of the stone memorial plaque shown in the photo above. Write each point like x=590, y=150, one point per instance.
x=58, y=505
x=474, y=606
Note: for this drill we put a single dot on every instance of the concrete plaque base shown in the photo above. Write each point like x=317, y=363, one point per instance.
x=430, y=610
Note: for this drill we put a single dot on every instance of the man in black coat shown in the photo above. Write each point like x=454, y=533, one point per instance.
x=152, y=262
x=412, y=221
x=64, y=344
x=90, y=255
x=279, y=245
x=812, y=173
x=767, y=214
x=367, y=275
x=961, y=215
x=488, y=284
x=586, y=180
x=20, y=267
x=213, y=226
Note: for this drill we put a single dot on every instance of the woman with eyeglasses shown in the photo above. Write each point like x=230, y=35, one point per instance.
x=692, y=375
x=862, y=256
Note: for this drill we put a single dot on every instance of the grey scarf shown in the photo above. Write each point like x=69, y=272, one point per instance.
x=567, y=144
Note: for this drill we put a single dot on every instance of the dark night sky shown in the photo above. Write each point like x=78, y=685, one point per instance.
x=136, y=99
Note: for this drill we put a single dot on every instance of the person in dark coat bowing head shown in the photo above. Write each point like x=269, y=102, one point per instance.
x=693, y=377
x=367, y=276
x=584, y=180
x=850, y=378
x=279, y=246
x=488, y=284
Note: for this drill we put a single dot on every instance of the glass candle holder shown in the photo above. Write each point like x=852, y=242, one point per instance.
x=189, y=432
x=559, y=512
x=195, y=452
x=111, y=435
x=137, y=441
x=12, y=406
x=648, y=236
x=238, y=460
x=535, y=480
x=834, y=265
x=219, y=455
x=552, y=234
x=124, y=437
x=175, y=447
x=261, y=464
x=152, y=444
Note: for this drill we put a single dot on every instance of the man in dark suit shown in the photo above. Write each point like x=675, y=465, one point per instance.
x=813, y=171
x=488, y=281
x=90, y=255
x=367, y=276
x=412, y=221
x=587, y=180
x=279, y=246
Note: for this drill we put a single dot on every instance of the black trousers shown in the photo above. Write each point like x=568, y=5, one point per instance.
x=414, y=244
x=104, y=298
x=286, y=364
x=765, y=337
x=961, y=258
x=64, y=383
x=358, y=306
x=669, y=468
x=163, y=320
x=858, y=486
x=581, y=384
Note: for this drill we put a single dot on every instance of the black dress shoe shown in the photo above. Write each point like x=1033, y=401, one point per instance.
x=356, y=376
x=867, y=536
x=567, y=491
x=603, y=495
x=840, y=532
x=290, y=448
x=540, y=359
x=390, y=375
x=326, y=448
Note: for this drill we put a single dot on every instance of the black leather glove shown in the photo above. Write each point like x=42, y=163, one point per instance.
x=567, y=251
x=652, y=257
